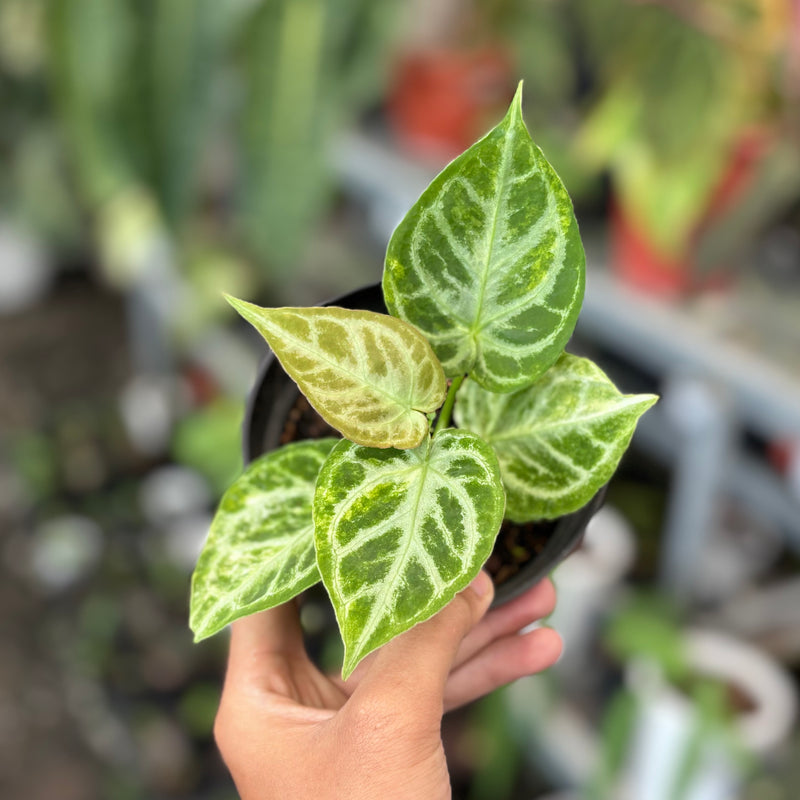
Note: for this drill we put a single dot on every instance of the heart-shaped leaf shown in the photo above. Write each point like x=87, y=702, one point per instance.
x=557, y=441
x=260, y=550
x=400, y=532
x=372, y=377
x=488, y=264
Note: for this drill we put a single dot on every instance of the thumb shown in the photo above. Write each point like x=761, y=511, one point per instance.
x=412, y=669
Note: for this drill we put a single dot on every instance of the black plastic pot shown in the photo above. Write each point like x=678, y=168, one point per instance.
x=274, y=395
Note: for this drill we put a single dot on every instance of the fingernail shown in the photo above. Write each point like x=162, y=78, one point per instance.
x=481, y=584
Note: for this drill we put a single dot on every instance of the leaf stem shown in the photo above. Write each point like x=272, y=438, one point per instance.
x=447, y=408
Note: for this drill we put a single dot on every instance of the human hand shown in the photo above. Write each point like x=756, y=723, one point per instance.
x=287, y=731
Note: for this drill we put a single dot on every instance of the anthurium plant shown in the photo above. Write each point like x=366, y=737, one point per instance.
x=457, y=409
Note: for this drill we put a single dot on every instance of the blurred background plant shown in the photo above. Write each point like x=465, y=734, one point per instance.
x=158, y=152
x=211, y=121
x=695, y=121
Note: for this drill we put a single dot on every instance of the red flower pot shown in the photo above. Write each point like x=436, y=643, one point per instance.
x=639, y=263
x=441, y=101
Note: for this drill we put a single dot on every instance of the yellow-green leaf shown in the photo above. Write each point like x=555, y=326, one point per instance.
x=372, y=377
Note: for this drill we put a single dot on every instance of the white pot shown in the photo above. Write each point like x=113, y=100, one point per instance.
x=667, y=721
x=764, y=681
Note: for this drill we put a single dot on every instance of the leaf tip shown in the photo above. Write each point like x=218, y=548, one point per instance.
x=516, y=103
x=349, y=663
x=235, y=302
x=202, y=621
x=248, y=311
x=200, y=631
x=648, y=400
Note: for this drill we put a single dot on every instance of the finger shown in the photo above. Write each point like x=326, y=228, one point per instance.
x=536, y=603
x=257, y=639
x=411, y=670
x=502, y=662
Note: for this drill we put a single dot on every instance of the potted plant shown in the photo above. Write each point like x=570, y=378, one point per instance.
x=483, y=281
x=690, y=125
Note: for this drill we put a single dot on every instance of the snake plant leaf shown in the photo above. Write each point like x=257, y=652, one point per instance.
x=260, y=549
x=372, y=377
x=488, y=263
x=557, y=441
x=400, y=532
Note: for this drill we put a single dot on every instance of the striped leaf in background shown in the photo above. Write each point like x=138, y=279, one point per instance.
x=400, y=532
x=489, y=264
x=372, y=377
x=557, y=441
x=260, y=550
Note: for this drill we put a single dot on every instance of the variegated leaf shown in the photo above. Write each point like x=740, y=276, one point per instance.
x=372, y=377
x=557, y=441
x=400, y=532
x=260, y=550
x=488, y=264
